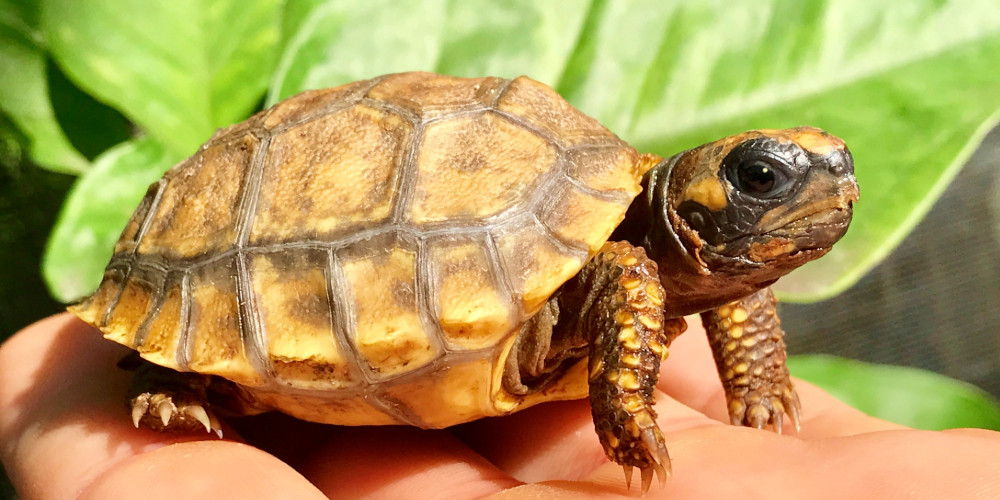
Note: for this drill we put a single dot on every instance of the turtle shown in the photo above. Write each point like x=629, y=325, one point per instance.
x=427, y=250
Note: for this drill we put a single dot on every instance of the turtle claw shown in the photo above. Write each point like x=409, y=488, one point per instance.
x=164, y=409
x=758, y=416
x=647, y=479
x=793, y=407
x=207, y=419
x=656, y=460
x=652, y=440
x=759, y=408
x=646, y=473
x=793, y=413
x=662, y=473
x=160, y=412
x=139, y=407
x=649, y=454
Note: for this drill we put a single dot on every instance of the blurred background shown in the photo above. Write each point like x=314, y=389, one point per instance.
x=98, y=98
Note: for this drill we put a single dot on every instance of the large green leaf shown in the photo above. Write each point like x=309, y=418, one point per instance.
x=24, y=93
x=333, y=42
x=95, y=212
x=180, y=69
x=92, y=126
x=907, y=396
x=911, y=86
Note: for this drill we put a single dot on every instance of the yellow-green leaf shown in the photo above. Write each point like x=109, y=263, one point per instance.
x=95, y=212
x=179, y=68
x=907, y=396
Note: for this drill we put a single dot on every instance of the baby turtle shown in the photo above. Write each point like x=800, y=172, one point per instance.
x=427, y=250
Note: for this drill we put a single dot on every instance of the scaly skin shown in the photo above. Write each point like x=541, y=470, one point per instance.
x=619, y=312
x=749, y=348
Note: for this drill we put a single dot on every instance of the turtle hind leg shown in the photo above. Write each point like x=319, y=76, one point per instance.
x=169, y=401
x=617, y=304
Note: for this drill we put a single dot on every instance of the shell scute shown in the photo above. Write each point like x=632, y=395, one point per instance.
x=388, y=332
x=581, y=219
x=161, y=339
x=430, y=96
x=540, y=106
x=215, y=339
x=292, y=301
x=536, y=262
x=329, y=176
x=131, y=308
x=130, y=235
x=93, y=308
x=472, y=308
x=463, y=389
x=475, y=167
x=198, y=208
x=311, y=103
x=612, y=170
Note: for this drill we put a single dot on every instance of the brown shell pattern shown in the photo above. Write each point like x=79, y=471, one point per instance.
x=367, y=242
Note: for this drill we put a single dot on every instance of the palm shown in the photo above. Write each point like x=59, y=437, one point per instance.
x=64, y=433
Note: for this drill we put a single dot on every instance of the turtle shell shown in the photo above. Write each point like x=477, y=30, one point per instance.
x=365, y=254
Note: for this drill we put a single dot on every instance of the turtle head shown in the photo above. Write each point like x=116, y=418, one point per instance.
x=732, y=216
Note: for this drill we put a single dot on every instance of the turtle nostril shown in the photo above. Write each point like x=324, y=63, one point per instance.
x=840, y=163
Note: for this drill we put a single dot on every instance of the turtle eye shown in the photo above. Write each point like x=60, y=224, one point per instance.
x=759, y=178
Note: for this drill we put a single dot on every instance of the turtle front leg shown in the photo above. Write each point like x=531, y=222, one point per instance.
x=616, y=303
x=749, y=348
x=166, y=400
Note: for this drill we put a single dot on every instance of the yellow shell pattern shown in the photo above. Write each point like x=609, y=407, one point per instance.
x=365, y=254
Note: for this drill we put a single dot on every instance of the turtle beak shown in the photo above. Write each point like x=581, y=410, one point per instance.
x=821, y=212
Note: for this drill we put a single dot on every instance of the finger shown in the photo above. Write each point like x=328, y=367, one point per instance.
x=63, y=420
x=201, y=469
x=549, y=441
x=401, y=462
x=56, y=417
x=689, y=375
x=289, y=439
x=731, y=462
x=557, y=441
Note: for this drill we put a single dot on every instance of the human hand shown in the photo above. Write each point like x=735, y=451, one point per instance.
x=65, y=433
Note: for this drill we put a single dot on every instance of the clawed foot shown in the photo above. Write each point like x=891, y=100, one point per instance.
x=652, y=452
x=159, y=412
x=760, y=408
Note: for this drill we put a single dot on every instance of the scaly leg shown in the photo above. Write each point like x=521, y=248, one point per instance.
x=616, y=305
x=749, y=348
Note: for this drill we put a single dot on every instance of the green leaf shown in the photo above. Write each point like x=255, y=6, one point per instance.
x=95, y=212
x=334, y=42
x=12, y=146
x=907, y=396
x=179, y=69
x=91, y=126
x=912, y=87
x=24, y=92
